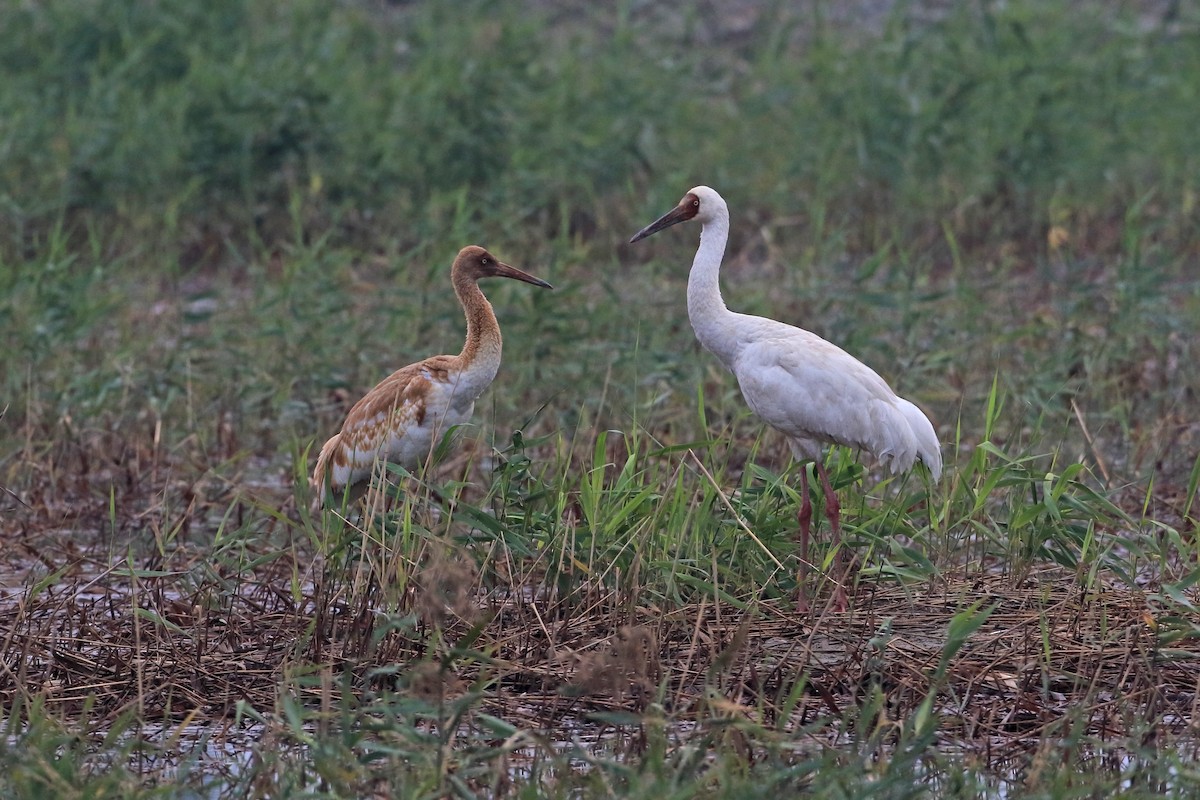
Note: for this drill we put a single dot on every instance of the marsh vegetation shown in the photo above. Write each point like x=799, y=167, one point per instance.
x=221, y=222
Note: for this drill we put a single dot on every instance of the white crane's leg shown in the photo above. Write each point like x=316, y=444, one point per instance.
x=833, y=510
x=804, y=518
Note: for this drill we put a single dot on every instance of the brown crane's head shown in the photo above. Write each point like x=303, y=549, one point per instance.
x=701, y=203
x=473, y=262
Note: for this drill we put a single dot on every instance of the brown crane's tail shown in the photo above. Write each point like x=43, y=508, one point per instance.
x=323, y=479
x=320, y=478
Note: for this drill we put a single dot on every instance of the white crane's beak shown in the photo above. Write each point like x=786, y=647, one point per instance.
x=687, y=209
x=680, y=213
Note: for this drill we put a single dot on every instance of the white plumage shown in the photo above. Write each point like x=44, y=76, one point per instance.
x=815, y=393
x=811, y=391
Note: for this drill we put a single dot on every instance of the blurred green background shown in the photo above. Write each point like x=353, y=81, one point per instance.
x=254, y=203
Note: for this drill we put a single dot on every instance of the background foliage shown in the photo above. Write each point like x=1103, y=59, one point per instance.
x=220, y=222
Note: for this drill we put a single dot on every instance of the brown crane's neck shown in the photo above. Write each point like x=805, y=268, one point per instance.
x=483, y=331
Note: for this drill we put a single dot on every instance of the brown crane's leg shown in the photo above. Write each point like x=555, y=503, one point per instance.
x=833, y=510
x=804, y=517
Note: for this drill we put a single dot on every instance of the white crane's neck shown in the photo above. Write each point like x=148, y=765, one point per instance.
x=710, y=317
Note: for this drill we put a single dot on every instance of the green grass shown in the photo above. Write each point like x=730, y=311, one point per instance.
x=220, y=223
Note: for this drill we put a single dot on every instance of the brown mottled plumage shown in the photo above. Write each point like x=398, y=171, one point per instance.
x=402, y=418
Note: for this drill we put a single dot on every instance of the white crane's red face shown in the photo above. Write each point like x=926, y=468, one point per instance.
x=687, y=209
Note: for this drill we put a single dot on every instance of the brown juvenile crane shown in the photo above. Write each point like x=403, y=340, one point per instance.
x=401, y=419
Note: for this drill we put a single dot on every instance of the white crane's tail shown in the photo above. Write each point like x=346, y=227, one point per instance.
x=929, y=449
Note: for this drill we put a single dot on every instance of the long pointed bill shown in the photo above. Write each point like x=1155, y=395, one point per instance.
x=505, y=271
x=680, y=213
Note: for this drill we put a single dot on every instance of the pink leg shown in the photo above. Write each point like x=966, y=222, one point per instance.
x=804, y=517
x=833, y=510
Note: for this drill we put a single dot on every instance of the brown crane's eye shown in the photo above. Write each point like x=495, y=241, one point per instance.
x=486, y=260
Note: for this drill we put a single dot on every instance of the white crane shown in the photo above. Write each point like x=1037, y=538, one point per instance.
x=402, y=418
x=811, y=391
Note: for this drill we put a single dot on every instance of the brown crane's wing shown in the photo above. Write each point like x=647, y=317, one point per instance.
x=377, y=424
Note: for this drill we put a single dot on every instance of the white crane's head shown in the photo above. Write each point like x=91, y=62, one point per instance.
x=475, y=262
x=701, y=204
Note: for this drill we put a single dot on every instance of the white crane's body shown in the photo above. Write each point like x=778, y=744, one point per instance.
x=808, y=389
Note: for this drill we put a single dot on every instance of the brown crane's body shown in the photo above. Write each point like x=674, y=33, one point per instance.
x=403, y=418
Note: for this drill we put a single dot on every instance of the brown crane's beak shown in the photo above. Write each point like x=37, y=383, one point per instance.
x=503, y=270
x=680, y=213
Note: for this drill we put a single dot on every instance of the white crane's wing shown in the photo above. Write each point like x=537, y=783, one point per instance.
x=809, y=389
